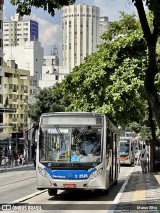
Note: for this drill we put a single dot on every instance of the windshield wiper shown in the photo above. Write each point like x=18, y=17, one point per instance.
x=80, y=133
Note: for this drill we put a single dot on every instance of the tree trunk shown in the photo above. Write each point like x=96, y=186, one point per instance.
x=149, y=83
x=151, y=122
x=151, y=39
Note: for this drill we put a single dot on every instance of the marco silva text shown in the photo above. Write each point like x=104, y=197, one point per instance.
x=147, y=207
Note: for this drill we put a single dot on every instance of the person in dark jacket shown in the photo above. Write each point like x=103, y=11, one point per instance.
x=33, y=153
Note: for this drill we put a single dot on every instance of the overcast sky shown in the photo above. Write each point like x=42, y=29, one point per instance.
x=50, y=27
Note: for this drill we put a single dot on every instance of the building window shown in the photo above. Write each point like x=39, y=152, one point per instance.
x=56, y=77
x=53, y=61
x=10, y=86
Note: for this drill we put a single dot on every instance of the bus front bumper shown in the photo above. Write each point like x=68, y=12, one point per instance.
x=65, y=184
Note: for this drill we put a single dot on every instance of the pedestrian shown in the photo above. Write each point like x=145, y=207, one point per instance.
x=23, y=160
x=136, y=159
x=18, y=160
x=33, y=149
x=143, y=158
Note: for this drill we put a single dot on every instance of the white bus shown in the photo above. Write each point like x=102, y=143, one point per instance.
x=126, y=150
x=77, y=150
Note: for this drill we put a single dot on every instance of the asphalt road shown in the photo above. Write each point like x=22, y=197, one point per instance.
x=15, y=184
x=20, y=186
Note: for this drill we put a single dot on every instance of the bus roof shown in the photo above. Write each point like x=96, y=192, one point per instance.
x=81, y=114
x=72, y=113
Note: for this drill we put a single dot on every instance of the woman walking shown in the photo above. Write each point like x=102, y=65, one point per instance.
x=143, y=158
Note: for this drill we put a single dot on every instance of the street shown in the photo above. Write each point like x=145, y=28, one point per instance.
x=16, y=185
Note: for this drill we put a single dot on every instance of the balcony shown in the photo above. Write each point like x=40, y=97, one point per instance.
x=7, y=110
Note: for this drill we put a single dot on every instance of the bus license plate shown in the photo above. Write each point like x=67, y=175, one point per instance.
x=69, y=186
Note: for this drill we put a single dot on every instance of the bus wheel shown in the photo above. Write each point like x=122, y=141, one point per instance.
x=52, y=192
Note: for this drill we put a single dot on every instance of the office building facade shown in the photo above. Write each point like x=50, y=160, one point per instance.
x=17, y=31
x=16, y=87
x=28, y=56
x=103, y=26
x=52, y=73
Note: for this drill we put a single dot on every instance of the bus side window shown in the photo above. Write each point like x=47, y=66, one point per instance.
x=109, y=144
x=40, y=139
x=110, y=139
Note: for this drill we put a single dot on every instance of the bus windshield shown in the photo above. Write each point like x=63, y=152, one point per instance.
x=124, y=148
x=70, y=144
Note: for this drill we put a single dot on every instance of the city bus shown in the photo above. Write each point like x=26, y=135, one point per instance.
x=77, y=151
x=126, y=150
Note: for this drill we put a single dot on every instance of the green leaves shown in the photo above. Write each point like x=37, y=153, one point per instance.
x=24, y=6
x=47, y=100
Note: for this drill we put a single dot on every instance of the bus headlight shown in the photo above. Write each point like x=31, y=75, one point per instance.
x=43, y=172
x=97, y=173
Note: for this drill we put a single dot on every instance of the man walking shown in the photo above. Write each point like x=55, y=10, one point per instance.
x=143, y=158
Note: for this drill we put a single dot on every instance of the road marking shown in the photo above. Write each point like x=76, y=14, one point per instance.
x=28, y=197
x=3, y=186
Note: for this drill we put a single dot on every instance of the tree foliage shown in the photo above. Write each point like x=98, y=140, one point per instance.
x=47, y=100
x=24, y=7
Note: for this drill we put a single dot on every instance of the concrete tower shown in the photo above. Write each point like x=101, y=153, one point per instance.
x=80, y=33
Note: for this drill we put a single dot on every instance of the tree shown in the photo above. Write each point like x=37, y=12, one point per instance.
x=24, y=7
x=151, y=35
x=47, y=100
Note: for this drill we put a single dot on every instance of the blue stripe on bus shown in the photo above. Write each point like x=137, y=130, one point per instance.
x=69, y=174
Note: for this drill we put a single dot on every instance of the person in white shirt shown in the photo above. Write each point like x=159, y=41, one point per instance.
x=143, y=158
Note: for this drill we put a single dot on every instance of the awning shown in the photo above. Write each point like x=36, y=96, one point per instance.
x=4, y=136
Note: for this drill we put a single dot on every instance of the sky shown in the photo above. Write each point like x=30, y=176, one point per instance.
x=50, y=27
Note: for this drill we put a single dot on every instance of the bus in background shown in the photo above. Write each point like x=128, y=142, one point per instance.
x=126, y=150
x=77, y=150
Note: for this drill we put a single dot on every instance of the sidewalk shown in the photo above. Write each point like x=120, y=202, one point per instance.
x=10, y=167
x=141, y=194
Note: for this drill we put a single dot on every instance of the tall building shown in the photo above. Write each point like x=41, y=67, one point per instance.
x=103, y=26
x=52, y=73
x=16, y=85
x=27, y=55
x=80, y=33
x=17, y=31
x=21, y=45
